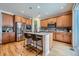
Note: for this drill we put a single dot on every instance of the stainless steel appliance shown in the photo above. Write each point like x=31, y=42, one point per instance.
x=19, y=28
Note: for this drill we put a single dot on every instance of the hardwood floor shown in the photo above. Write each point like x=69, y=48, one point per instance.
x=15, y=49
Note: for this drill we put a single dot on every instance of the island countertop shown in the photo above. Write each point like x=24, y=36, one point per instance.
x=38, y=33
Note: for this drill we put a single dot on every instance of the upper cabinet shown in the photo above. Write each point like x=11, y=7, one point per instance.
x=44, y=23
x=64, y=21
x=7, y=20
x=23, y=20
x=61, y=21
x=18, y=19
x=28, y=21
x=52, y=21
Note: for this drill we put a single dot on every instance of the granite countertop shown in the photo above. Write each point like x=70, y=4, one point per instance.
x=39, y=33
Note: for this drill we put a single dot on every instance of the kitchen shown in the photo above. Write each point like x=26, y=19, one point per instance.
x=50, y=31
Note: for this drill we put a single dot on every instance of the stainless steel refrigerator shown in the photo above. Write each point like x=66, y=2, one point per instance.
x=19, y=30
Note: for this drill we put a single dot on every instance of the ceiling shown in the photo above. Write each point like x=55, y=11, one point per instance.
x=41, y=10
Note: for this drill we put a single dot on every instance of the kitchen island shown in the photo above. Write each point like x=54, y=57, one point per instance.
x=47, y=41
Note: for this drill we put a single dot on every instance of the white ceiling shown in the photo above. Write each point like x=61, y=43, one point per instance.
x=31, y=10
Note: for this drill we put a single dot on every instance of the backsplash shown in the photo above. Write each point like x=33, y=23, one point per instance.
x=55, y=30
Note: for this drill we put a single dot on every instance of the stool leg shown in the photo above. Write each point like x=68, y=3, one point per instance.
x=36, y=47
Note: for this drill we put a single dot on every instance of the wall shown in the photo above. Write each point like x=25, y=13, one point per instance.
x=76, y=28
x=0, y=27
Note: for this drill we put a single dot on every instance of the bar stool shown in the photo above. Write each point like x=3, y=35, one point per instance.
x=39, y=38
x=29, y=38
x=35, y=39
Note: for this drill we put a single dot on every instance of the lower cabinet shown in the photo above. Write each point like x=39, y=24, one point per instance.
x=8, y=37
x=12, y=37
x=68, y=37
x=5, y=37
x=63, y=37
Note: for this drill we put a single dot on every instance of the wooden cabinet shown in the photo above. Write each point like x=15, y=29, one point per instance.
x=23, y=20
x=44, y=23
x=52, y=21
x=8, y=37
x=67, y=37
x=11, y=20
x=64, y=21
x=18, y=19
x=7, y=20
x=60, y=21
x=28, y=22
x=12, y=36
x=5, y=37
x=63, y=37
x=68, y=21
x=59, y=36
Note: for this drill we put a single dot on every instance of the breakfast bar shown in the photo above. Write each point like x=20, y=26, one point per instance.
x=46, y=39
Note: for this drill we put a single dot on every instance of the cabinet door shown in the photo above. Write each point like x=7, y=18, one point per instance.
x=23, y=20
x=17, y=19
x=64, y=21
x=67, y=37
x=5, y=38
x=12, y=36
x=60, y=21
x=30, y=22
x=10, y=20
x=5, y=18
x=52, y=21
x=44, y=23
x=59, y=36
x=68, y=20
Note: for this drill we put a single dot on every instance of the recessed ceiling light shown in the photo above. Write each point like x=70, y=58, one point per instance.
x=62, y=7
x=38, y=6
x=46, y=13
x=30, y=7
x=30, y=18
x=22, y=11
x=38, y=16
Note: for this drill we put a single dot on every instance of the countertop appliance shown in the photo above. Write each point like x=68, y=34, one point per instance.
x=51, y=25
